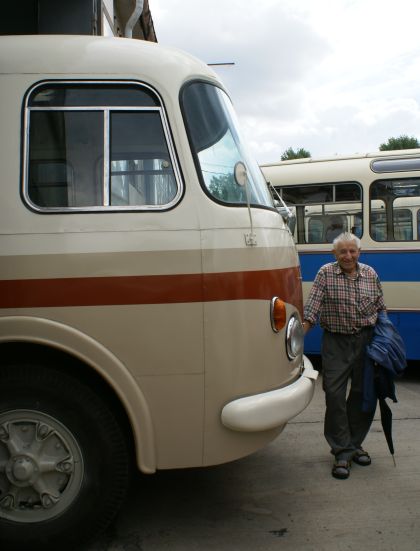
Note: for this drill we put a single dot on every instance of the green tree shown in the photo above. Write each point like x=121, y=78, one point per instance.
x=402, y=142
x=290, y=154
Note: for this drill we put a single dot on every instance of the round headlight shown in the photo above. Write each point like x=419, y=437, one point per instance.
x=294, y=338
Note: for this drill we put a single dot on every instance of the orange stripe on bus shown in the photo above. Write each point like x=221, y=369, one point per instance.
x=152, y=289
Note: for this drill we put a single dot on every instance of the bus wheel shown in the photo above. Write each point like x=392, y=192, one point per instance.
x=63, y=460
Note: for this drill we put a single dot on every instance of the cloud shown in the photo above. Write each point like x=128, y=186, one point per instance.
x=332, y=77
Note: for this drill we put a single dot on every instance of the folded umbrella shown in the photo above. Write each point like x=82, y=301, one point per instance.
x=385, y=361
x=386, y=422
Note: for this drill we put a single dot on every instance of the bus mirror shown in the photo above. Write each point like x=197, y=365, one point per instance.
x=240, y=174
x=288, y=217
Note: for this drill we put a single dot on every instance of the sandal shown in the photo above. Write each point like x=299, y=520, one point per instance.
x=341, y=469
x=362, y=458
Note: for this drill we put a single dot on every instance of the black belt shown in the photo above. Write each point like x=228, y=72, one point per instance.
x=353, y=333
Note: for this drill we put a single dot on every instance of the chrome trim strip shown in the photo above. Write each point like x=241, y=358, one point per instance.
x=106, y=180
x=273, y=325
x=95, y=108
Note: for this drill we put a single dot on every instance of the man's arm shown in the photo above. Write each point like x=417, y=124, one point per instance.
x=314, y=302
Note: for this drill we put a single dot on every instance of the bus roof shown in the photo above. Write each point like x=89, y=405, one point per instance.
x=93, y=55
x=397, y=153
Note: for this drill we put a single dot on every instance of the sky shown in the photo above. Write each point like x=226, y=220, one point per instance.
x=334, y=77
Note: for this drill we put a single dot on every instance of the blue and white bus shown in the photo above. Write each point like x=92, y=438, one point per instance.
x=377, y=197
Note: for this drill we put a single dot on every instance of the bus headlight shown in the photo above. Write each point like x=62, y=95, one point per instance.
x=294, y=338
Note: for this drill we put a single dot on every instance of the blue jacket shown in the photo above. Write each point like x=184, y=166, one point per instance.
x=384, y=362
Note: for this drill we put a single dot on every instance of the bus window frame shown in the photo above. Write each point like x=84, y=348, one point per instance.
x=124, y=84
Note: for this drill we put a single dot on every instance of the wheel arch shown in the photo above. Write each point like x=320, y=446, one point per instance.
x=24, y=338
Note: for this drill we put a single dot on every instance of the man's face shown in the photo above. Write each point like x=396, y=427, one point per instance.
x=347, y=255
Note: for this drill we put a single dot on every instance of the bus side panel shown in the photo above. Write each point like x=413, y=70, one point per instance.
x=407, y=324
x=243, y=355
x=399, y=272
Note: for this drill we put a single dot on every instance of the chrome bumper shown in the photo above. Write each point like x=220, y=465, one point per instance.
x=274, y=408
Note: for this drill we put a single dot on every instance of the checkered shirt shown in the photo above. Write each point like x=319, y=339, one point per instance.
x=344, y=305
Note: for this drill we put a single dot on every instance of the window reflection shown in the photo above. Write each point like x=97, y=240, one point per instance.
x=218, y=146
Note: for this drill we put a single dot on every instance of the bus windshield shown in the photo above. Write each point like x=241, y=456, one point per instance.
x=218, y=146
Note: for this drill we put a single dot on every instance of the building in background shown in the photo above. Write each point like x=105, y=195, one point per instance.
x=130, y=18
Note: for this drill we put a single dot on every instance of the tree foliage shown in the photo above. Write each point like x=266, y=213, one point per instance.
x=402, y=142
x=224, y=188
x=290, y=154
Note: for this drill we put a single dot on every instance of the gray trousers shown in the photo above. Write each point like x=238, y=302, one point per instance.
x=346, y=425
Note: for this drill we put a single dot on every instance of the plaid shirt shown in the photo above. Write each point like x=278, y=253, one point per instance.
x=344, y=305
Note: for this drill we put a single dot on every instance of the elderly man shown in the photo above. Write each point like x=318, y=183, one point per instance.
x=346, y=297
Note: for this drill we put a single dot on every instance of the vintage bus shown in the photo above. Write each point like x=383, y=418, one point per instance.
x=375, y=196
x=150, y=291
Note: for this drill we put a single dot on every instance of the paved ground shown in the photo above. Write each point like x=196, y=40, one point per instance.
x=283, y=497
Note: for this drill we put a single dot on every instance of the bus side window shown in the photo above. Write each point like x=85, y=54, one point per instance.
x=403, y=224
x=393, y=207
x=378, y=226
x=315, y=229
x=356, y=229
x=141, y=172
x=98, y=146
x=324, y=211
x=64, y=139
x=334, y=229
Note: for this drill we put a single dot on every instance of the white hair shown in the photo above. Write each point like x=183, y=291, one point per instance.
x=346, y=237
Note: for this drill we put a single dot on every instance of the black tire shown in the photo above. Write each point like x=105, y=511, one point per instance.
x=64, y=461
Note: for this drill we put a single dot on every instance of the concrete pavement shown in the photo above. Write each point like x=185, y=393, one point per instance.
x=284, y=497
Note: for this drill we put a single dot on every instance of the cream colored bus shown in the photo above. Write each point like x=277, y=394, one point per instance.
x=150, y=292
x=377, y=197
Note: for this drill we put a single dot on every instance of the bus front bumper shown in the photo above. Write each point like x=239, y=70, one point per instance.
x=274, y=408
